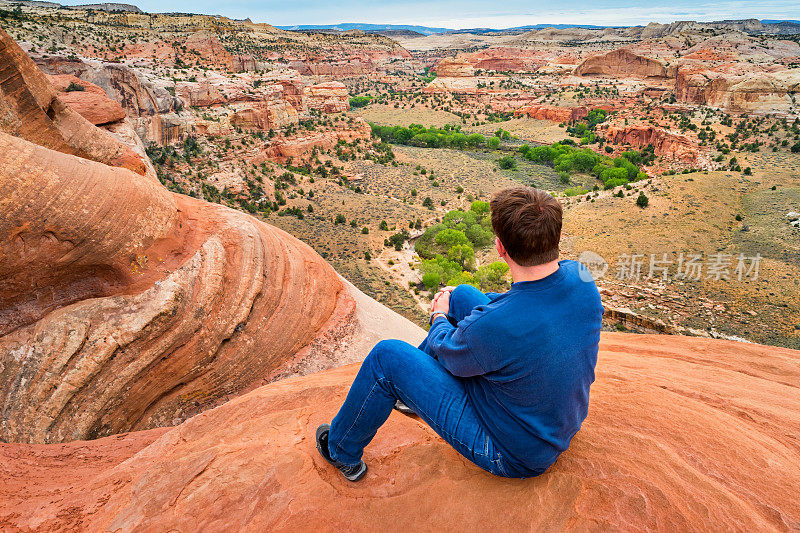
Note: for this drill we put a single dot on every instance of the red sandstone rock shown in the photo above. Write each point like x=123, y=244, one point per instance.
x=264, y=115
x=503, y=58
x=199, y=94
x=91, y=103
x=737, y=88
x=152, y=308
x=553, y=113
x=31, y=109
x=668, y=145
x=683, y=434
x=330, y=97
x=455, y=68
x=124, y=306
x=623, y=63
x=298, y=148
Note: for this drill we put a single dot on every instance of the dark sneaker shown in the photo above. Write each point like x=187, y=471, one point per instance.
x=403, y=408
x=350, y=472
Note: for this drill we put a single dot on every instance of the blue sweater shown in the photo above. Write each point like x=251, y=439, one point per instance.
x=527, y=359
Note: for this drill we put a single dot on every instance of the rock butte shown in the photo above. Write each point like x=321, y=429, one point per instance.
x=683, y=434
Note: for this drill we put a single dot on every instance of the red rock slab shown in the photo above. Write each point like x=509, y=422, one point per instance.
x=32, y=110
x=683, y=434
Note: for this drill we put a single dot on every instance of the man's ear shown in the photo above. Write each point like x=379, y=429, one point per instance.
x=501, y=251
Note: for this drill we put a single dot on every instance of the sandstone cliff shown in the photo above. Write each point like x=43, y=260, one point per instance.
x=738, y=91
x=623, y=63
x=330, y=97
x=455, y=68
x=553, y=113
x=671, y=146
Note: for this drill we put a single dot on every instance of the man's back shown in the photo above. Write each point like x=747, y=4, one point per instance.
x=533, y=350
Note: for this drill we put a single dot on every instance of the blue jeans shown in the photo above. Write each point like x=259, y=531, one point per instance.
x=395, y=370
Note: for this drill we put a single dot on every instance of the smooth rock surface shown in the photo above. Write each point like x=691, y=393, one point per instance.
x=683, y=434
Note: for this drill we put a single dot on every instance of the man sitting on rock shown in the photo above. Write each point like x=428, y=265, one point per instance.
x=503, y=378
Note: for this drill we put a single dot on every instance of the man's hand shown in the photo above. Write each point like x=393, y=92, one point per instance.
x=441, y=302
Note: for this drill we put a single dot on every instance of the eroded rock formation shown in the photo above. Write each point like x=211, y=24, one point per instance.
x=738, y=91
x=124, y=306
x=30, y=108
x=553, y=113
x=623, y=63
x=153, y=111
x=89, y=100
x=455, y=68
x=300, y=147
x=330, y=97
x=672, y=146
x=683, y=434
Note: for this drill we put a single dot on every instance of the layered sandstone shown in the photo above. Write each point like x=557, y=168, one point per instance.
x=31, y=108
x=683, y=434
x=737, y=91
x=455, y=68
x=623, y=63
x=553, y=113
x=264, y=115
x=671, y=146
x=154, y=112
x=504, y=58
x=330, y=97
x=300, y=147
x=124, y=306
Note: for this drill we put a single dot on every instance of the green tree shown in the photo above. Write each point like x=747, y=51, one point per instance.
x=476, y=140
x=450, y=237
x=493, y=143
x=463, y=254
x=642, y=201
x=492, y=277
x=507, y=162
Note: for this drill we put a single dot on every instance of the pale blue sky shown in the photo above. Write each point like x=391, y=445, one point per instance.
x=477, y=13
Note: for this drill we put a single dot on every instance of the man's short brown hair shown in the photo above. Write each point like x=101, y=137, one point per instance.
x=528, y=223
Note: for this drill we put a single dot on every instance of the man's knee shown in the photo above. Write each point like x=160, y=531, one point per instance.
x=464, y=293
x=463, y=299
x=388, y=354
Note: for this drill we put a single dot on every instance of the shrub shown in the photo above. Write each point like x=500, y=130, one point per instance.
x=360, y=101
x=507, y=162
x=493, y=143
x=339, y=219
x=431, y=280
x=642, y=201
x=74, y=87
